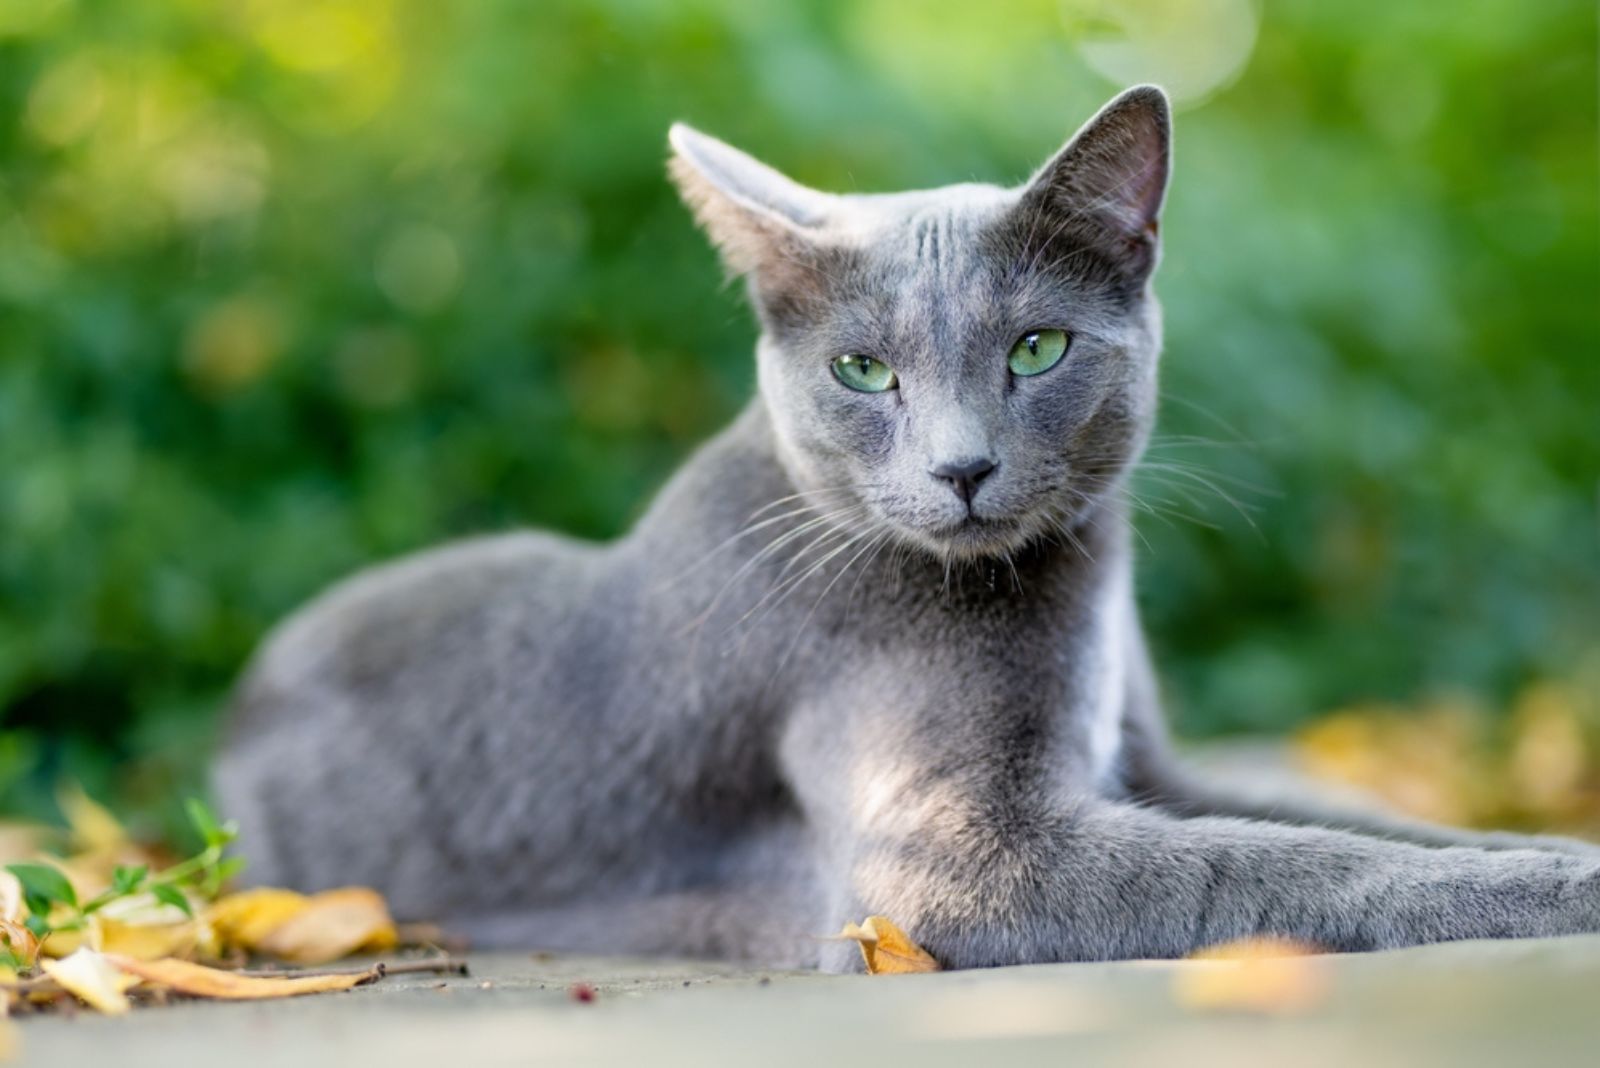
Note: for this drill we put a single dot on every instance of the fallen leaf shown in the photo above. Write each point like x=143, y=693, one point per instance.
x=94, y=829
x=189, y=978
x=1547, y=759
x=143, y=925
x=886, y=949
x=245, y=918
x=19, y=940
x=333, y=924
x=149, y=940
x=1262, y=975
x=93, y=978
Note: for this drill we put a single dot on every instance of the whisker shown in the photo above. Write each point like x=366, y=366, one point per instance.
x=769, y=550
x=871, y=542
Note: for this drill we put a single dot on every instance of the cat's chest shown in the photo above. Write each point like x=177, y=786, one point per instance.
x=1041, y=667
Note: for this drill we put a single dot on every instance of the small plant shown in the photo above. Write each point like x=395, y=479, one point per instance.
x=53, y=904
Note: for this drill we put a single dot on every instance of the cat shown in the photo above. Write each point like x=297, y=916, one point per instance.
x=873, y=650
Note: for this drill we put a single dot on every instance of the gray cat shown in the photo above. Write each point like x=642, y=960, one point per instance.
x=873, y=650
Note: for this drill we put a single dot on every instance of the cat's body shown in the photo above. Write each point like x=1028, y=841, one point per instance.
x=873, y=650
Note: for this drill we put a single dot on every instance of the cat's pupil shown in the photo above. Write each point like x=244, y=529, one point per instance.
x=1033, y=343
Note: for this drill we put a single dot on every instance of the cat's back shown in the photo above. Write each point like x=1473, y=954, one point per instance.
x=367, y=631
x=405, y=671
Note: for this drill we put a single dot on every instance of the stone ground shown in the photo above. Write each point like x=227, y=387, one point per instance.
x=1519, y=1003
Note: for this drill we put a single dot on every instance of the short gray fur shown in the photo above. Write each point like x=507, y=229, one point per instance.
x=809, y=686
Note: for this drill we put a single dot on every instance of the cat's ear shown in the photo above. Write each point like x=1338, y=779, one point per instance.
x=761, y=221
x=1112, y=175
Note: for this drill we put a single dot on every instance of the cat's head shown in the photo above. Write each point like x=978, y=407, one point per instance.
x=972, y=366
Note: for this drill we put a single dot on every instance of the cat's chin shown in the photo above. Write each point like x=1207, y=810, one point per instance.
x=976, y=538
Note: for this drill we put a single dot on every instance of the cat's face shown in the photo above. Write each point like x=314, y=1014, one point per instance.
x=970, y=367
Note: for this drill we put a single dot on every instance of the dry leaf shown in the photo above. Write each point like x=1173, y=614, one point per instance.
x=245, y=918
x=144, y=926
x=93, y=979
x=200, y=981
x=64, y=943
x=305, y=929
x=333, y=924
x=94, y=829
x=150, y=941
x=19, y=940
x=1547, y=759
x=1264, y=975
x=886, y=949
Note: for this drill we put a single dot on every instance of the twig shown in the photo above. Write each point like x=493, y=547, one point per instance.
x=430, y=966
x=32, y=985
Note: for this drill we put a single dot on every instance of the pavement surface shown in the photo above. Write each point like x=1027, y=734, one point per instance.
x=1492, y=1003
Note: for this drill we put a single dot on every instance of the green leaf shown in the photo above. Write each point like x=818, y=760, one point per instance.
x=214, y=833
x=230, y=867
x=171, y=895
x=125, y=880
x=37, y=924
x=216, y=875
x=45, y=883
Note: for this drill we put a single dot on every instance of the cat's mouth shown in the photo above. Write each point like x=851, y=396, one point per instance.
x=979, y=536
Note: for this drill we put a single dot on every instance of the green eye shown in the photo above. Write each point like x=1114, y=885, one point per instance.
x=1038, y=351
x=864, y=374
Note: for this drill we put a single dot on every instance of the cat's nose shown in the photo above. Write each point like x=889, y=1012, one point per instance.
x=963, y=476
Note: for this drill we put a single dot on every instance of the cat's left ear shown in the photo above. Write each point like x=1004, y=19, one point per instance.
x=762, y=222
x=1112, y=177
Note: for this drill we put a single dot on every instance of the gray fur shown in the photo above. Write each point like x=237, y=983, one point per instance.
x=808, y=687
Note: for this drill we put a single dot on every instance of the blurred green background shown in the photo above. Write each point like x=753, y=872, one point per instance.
x=288, y=286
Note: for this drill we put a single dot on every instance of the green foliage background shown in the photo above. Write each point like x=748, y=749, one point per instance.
x=287, y=286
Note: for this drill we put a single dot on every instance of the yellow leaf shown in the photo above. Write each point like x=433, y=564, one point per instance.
x=64, y=943
x=147, y=942
x=1262, y=975
x=886, y=949
x=93, y=979
x=189, y=978
x=306, y=929
x=333, y=924
x=94, y=829
x=144, y=927
x=19, y=940
x=1548, y=758
x=245, y=918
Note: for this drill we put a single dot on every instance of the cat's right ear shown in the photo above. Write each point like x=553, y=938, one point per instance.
x=763, y=223
x=1111, y=178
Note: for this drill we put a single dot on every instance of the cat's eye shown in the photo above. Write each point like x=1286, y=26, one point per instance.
x=1037, y=351
x=864, y=374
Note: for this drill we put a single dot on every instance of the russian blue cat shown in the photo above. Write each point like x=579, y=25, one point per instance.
x=873, y=649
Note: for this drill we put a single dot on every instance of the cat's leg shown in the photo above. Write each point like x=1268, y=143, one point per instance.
x=1099, y=881
x=989, y=849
